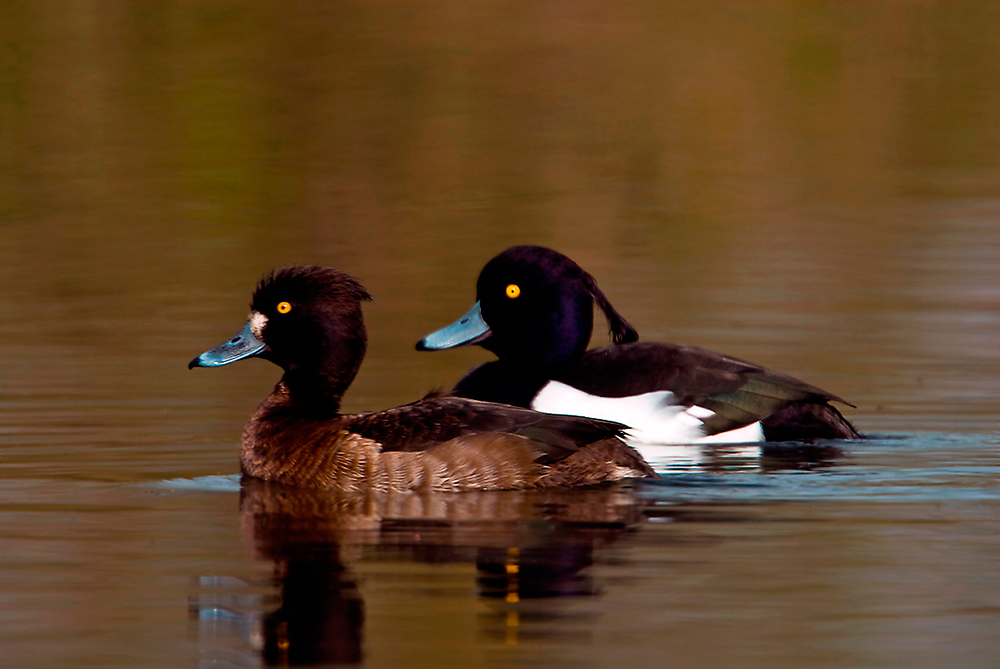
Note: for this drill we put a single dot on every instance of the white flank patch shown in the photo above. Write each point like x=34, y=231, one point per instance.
x=742, y=435
x=654, y=418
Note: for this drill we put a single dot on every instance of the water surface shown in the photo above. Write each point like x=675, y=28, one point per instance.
x=814, y=187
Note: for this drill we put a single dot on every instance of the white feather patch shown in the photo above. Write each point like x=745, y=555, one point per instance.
x=742, y=435
x=258, y=322
x=653, y=418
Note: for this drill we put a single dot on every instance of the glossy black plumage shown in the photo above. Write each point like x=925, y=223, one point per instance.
x=541, y=333
x=308, y=321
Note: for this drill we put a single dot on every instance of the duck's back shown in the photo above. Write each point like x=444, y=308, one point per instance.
x=702, y=389
x=735, y=391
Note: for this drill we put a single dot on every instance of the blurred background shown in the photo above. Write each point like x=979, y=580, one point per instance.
x=813, y=186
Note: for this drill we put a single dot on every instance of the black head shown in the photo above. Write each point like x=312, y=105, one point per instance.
x=536, y=306
x=308, y=321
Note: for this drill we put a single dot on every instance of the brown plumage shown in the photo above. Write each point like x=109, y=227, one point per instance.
x=308, y=321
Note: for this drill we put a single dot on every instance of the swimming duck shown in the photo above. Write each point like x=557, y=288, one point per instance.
x=534, y=310
x=308, y=321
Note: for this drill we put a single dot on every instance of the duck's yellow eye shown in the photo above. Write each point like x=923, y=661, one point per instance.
x=284, y=307
x=513, y=290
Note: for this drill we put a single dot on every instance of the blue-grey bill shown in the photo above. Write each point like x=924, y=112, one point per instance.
x=469, y=329
x=243, y=345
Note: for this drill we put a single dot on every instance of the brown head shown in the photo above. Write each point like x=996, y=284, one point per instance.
x=308, y=321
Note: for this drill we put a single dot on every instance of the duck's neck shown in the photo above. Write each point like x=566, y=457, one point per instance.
x=506, y=382
x=317, y=390
x=316, y=395
x=316, y=385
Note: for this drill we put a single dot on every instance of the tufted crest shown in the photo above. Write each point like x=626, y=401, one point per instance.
x=307, y=284
x=559, y=270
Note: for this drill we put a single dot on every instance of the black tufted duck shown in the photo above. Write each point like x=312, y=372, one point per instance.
x=534, y=310
x=308, y=321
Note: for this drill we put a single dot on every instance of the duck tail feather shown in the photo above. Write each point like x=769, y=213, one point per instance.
x=621, y=331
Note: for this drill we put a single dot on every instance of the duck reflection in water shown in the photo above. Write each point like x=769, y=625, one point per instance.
x=321, y=614
x=525, y=545
x=532, y=549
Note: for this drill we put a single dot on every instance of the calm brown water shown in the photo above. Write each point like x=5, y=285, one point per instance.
x=813, y=186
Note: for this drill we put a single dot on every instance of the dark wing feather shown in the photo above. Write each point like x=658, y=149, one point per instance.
x=738, y=392
x=429, y=422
